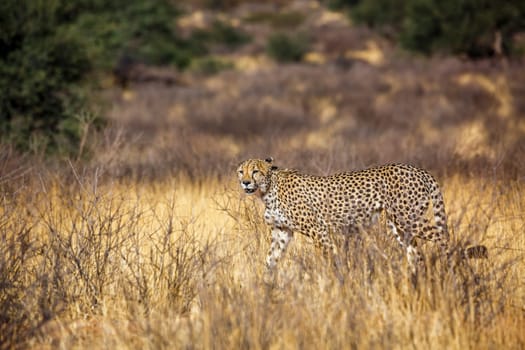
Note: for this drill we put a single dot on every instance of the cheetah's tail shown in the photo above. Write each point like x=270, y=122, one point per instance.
x=438, y=207
x=440, y=218
x=476, y=252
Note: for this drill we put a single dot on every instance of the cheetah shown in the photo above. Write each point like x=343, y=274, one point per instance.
x=316, y=206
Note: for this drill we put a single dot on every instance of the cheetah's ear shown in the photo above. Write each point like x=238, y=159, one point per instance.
x=269, y=160
x=274, y=167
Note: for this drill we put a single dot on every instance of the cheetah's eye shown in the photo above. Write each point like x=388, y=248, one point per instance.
x=241, y=172
x=255, y=172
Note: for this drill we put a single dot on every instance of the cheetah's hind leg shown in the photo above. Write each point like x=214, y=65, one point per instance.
x=409, y=244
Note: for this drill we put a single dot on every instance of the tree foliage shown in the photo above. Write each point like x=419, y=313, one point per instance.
x=48, y=50
x=475, y=28
x=286, y=47
x=38, y=73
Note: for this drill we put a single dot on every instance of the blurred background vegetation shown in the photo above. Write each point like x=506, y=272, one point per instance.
x=476, y=28
x=53, y=53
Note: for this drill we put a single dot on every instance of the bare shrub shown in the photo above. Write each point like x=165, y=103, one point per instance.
x=23, y=306
x=82, y=247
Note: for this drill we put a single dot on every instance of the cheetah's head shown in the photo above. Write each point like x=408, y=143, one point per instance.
x=254, y=174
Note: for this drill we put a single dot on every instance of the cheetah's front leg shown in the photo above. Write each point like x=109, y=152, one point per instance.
x=280, y=239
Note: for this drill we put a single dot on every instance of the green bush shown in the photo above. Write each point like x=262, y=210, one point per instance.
x=217, y=4
x=467, y=27
x=209, y=65
x=340, y=4
x=49, y=48
x=219, y=33
x=281, y=20
x=144, y=29
x=287, y=48
x=380, y=14
x=38, y=70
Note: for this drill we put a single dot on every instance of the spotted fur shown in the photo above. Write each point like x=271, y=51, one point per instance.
x=317, y=206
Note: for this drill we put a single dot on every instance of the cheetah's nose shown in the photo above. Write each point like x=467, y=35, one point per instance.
x=246, y=183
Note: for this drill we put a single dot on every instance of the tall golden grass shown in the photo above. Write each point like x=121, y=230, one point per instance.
x=176, y=263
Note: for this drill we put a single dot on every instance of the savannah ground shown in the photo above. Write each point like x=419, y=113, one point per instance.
x=151, y=244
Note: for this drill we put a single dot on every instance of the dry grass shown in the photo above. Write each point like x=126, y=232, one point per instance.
x=171, y=264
